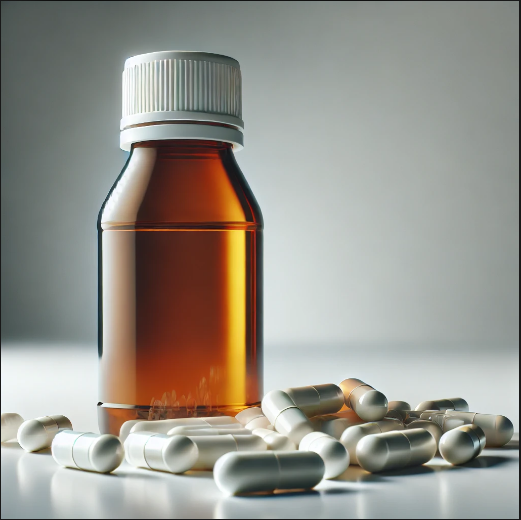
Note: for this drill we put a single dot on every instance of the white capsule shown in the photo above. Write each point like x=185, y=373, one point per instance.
x=430, y=426
x=369, y=404
x=37, y=434
x=252, y=418
x=237, y=473
x=395, y=450
x=192, y=431
x=230, y=428
x=165, y=425
x=87, y=451
x=333, y=453
x=212, y=448
x=317, y=399
x=127, y=426
x=287, y=419
x=454, y=403
x=498, y=429
x=10, y=424
x=179, y=453
x=335, y=425
x=399, y=405
x=274, y=441
x=400, y=415
x=353, y=435
x=175, y=453
x=462, y=444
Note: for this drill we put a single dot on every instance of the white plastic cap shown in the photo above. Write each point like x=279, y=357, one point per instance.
x=182, y=95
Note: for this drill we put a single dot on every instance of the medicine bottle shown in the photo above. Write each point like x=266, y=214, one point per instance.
x=180, y=249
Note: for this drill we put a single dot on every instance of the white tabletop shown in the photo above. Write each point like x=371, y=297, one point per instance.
x=43, y=380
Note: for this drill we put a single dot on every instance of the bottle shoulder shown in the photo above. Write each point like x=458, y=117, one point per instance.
x=161, y=190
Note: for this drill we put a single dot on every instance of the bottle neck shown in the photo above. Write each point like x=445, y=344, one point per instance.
x=188, y=147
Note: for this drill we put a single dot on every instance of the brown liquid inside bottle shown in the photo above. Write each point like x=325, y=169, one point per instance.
x=180, y=286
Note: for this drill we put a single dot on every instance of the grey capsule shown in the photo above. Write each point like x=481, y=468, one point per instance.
x=237, y=473
x=462, y=444
x=395, y=450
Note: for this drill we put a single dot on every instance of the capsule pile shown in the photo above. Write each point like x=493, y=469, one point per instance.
x=297, y=437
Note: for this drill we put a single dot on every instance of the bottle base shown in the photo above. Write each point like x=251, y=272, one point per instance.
x=112, y=416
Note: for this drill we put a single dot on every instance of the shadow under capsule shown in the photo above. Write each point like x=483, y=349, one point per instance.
x=281, y=504
x=358, y=474
x=486, y=461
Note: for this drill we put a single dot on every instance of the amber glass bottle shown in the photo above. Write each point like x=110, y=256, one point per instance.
x=180, y=280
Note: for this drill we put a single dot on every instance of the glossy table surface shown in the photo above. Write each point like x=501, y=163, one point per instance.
x=45, y=380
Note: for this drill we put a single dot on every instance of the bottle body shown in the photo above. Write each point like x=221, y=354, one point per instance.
x=180, y=286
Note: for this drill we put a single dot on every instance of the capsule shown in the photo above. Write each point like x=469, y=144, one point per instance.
x=274, y=441
x=353, y=435
x=399, y=405
x=179, y=453
x=430, y=426
x=336, y=424
x=127, y=426
x=454, y=403
x=252, y=418
x=318, y=399
x=87, y=451
x=175, y=453
x=369, y=404
x=395, y=450
x=10, y=424
x=38, y=434
x=165, y=425
x=400, y=415
x=287, y=419
x=333, y=453
x=192, y=431
x=462, y=444
x=498, y=429
x=237, y=473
